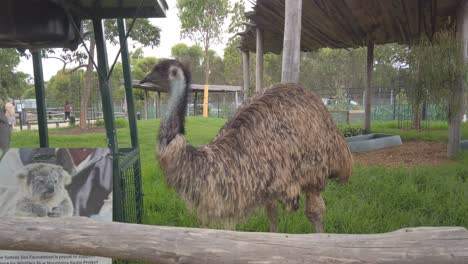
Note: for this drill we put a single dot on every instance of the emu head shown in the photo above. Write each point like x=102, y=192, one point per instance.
x=169, y=75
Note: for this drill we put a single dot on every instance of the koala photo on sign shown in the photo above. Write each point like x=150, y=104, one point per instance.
x=55, y=182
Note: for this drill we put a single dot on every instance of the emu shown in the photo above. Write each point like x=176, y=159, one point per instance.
x=279, y=143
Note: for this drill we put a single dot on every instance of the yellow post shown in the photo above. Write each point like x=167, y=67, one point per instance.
x=205, y=101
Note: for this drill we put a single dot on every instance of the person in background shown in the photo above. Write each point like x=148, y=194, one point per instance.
x=67, y=109
x=10, y=113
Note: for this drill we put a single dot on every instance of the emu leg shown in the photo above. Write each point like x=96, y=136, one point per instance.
x=315, y=209
x=272, y=213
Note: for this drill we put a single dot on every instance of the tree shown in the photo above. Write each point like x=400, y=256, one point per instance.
x=143, y=32
x=191, y=56
x=436, y=67
x=13, y=83
x=202, y=21
x=65, y=87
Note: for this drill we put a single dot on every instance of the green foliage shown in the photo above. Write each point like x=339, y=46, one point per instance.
x=237, y=17
x=142, y=32
x=202, y=21
x=12, y=82
x=193, y=57
x=353, y=131
x=65, y=87
x=119, y=123
x=376, y=200
x=233, y=63
x=436, y=68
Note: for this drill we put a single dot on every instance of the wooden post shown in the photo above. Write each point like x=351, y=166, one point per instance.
x=237, y=99
x=259, y=65
x=456, y=104
x=161, y=244
x=368, y=98
x=245, y=70
x=205, y=100
x=292, y=41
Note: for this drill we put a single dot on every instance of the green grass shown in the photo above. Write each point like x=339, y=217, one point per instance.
x=377, y=199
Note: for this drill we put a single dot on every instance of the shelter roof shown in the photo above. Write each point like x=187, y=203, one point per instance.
x=87, y=9
x=194, y=87
x=350, y=23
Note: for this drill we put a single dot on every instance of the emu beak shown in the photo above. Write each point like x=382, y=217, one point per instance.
x=147, y=79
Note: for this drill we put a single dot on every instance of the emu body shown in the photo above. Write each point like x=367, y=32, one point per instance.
x=280, y=143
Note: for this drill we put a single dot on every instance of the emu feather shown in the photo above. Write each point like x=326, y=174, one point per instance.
x=280, y=143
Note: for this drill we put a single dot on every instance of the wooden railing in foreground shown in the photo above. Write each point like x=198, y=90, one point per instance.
x=158, y=244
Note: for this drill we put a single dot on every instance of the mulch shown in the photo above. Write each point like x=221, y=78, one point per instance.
x=409, y=154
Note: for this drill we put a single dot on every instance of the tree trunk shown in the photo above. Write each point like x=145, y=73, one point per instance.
x=370, y=70
x=87, y=85
x=207, y=66
x=161, y=244
x=207, y=79
x=456, y=104
x=417, y=116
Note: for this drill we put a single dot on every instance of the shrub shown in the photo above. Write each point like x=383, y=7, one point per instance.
x=119, y=123
x=353, y=131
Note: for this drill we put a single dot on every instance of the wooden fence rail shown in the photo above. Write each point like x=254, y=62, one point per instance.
x=158, y=244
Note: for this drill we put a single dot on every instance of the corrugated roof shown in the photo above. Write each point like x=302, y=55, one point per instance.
x=116, y=8
x=350, y=23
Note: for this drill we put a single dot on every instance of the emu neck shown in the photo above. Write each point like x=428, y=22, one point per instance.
x=174, y=119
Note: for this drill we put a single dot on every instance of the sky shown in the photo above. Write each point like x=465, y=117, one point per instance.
x=170, y=35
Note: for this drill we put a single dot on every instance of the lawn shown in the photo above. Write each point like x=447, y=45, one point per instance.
x=377, y=199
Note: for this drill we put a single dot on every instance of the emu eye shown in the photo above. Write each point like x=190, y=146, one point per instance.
x=174, y=72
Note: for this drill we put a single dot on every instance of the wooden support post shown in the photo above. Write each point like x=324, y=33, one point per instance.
x=245, y=70
x=237, y=99
x=205, y=100
x=368, y=98
x=456, y=104
x=292, y=41
x=161, y=244
x=259, y=63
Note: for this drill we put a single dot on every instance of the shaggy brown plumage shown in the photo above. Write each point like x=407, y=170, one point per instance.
x=279, y=143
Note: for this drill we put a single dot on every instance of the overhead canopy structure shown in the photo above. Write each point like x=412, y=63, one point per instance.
x=194, y=87
x=88, y=9
x=291, y=26
x=349, y=23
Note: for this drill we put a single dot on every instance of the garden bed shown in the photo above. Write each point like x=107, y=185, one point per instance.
x=410, y=154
